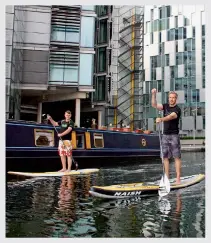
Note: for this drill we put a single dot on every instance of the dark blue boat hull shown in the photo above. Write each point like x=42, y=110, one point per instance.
x=20, y=144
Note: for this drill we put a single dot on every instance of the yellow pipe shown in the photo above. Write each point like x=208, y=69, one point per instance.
x=115, y=110
x=88, y=140
x=132, y=75
x=74, y=140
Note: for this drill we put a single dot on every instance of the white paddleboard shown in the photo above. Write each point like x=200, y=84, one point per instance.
x=45, y=174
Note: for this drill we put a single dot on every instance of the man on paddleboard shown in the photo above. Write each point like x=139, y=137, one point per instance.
x=170, y=138
x=65, y=144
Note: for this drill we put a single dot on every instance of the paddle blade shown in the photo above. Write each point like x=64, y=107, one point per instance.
x=164, y=186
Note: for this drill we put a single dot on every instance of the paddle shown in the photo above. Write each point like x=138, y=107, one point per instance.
x=164, y=186
x=75, y=162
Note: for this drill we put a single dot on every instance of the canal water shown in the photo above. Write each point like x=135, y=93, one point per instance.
x=62, y=207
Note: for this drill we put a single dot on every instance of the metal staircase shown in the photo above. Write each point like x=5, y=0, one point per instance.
x=128, y=98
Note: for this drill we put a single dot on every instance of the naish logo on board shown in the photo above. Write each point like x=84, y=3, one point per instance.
x=127, y=193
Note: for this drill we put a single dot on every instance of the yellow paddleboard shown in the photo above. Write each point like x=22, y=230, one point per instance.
x=142, y=188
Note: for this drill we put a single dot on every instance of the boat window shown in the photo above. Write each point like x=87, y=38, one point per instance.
x=98, y=140
x=44, y=138
x=80, y=141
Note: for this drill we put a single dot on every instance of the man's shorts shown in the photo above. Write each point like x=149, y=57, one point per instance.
x=65, y=148
x=171, y=146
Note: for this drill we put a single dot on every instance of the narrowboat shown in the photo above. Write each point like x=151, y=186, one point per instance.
x=31, y=140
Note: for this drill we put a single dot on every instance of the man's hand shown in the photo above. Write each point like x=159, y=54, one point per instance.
x=49, y=117
x=154, y=91
x=59, y=135
x=158, y=120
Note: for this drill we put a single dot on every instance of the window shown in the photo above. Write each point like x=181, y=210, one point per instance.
x=176, y=21
x=152, y=15
x=151, y=38
x=163, y=72
x=44, y=138
x=203, y=82
x=87, y=31
x=189, y=42
x=203, y=30
x=185, y=56
x=185, y=45
x=159, y=61
x=179, y=58
x=184, y=33
x=98, y=140
x=203, y=55
x=80, y=141
x=102, y=10
x=176, y=43
x=100, y=87
x=172, y=72
x=153, y=74
x=146, y=98
x=193, y=57
x=65, y=34
x=163, y=12
x=171, y=84
x=203, y=70
x=160, y=49
x=167, y=60
x=148, y=27
x=102, y=59
x=163, y=47
x=189, y=54
x=160, y=37
x=178, y=84
x=160, y=13
x=88, y=7
x=61, y=73
x=159, y=86
x=204, y=122
x=194, y=32
x=180, y=33
x=175, y=71
x=171, y=34
x=195, y=95
x=103, y=31
x=186, y=22
x=86, y=69
x=176, y=34
x=168, y=11
x=164, y=24
x=163, y=60
x=203, y=43
x=193, y=45
x=156, y=25
x=192, y=84
x=147, y=87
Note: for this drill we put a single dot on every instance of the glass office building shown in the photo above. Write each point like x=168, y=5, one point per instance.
x=174, y=59
x=14, y=59
x=49, y=58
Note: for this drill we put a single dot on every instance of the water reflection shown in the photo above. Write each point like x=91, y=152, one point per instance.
x=62, y=207
x=148, y=217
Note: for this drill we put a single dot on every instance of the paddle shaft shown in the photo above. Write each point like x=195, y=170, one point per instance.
x=164, y=186
x=161, y=148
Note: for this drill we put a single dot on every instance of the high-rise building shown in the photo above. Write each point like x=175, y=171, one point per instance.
x=174, y=59
x=49, y=58
x=102, y=62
